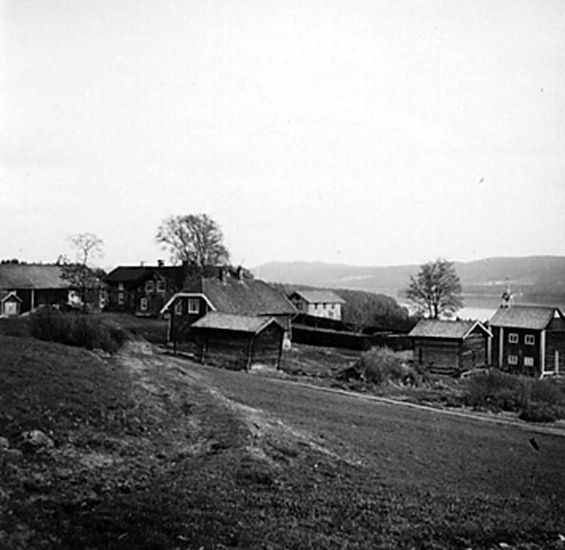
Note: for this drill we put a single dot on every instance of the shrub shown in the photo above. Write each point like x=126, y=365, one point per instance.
x=382, y=365
x=88, y=331
x=534, y=400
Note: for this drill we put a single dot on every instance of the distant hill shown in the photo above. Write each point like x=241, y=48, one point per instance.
x=528, y=276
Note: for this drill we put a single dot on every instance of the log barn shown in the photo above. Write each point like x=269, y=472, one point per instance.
x=450, y=347
x=238, y=341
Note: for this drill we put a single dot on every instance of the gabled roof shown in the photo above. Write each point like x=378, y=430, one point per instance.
x=31, y=276
x=237, y=323
x=528, y=317
x=7, y=295
x=319, y=296
x=245, y=297
x=452, y=330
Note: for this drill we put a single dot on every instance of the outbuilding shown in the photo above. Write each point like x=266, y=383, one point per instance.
x=450, y=347
x=238, y=341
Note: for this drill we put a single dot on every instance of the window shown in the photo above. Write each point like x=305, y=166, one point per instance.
x=513, y=338
x=178, y=307
x=512, y=359
x=528, y=361
x=530, y=340
x=149, y=286
x=121, y=298
x=120, y=286
x=143, y=304
x=161, y=286
x=193, y=305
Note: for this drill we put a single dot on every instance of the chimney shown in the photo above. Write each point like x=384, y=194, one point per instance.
x=160, y=263
x=142, y=264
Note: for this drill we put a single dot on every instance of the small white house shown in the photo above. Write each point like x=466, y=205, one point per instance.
x=319, y=303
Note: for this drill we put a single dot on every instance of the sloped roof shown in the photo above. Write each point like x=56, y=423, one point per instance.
x=28, y=276
x=246, y=297
x=237, y=323
x=138, y=274
x=532, y=317
x=319, y=296
x=436, y=328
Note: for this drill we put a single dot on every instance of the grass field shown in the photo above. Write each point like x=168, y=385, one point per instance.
x=154, y=452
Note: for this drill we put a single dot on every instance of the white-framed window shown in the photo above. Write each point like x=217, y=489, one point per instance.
x=121, y=299
x=513, y=338
x=178, y=307
x=193, y=305
x=120, y=286
x=528, y=361
x=149, y=286
x=143, y=304
x=160, y=286
x=530, y=340
x=512, y=359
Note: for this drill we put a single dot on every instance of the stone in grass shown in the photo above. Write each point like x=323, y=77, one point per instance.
x=36, y=441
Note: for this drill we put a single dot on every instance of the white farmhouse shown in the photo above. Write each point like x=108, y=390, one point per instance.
x=319, y=303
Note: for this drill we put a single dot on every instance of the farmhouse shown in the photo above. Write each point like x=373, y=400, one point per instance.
x=226, y=293
x=319, y=303
x=23, y=287
x=238, y=341
x=143, y=290
x=450, y=347
x=529, y=340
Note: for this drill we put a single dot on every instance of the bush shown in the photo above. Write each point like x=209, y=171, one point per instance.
x=88, y=331
x=382, y=365
x=535, y=400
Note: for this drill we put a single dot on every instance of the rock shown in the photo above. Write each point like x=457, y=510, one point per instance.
x=36, y=441
x=4, y=443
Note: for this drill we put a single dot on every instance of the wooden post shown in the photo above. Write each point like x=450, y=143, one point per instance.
x=542, y=352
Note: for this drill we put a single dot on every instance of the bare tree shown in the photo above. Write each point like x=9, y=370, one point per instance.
x=436, y=290
x=194, y=238
x=81, y=274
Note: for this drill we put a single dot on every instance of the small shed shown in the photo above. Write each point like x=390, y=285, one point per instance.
x=238, y=341
x=11, y=304
x=450, y=347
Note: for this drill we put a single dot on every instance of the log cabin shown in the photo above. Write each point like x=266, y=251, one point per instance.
x=450, y=347
x=238, y=341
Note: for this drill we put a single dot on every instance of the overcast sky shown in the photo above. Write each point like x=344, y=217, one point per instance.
x=368, y=132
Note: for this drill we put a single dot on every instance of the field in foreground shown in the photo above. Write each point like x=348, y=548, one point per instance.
x=156, y=452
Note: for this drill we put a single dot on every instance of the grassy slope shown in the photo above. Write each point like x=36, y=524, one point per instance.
x=153, y=452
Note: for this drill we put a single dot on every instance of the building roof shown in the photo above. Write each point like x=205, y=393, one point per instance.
x=246, y=297
x=319, y=296
x=31, y=276
x=138, y=274
x=452, y=330
x=528, y=317
x=237, y=323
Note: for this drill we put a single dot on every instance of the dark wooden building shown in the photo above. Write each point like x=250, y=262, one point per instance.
x=143, y=290
x=238, y=341
x=24, y=287
x=450, y=347
x=529, y=340
x=229, y=293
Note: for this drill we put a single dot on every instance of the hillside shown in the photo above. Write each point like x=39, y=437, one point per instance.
x=530, y=276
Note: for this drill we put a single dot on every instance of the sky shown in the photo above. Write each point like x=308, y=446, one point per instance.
x=364, y=132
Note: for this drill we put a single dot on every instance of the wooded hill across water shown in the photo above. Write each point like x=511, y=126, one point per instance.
x=530, y=276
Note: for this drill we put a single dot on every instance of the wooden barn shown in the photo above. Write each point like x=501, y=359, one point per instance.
x=238, y=341
x=450, y=347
